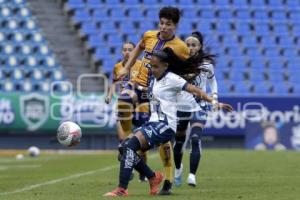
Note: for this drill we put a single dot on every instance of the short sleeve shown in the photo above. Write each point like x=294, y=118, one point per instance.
x=178, y=82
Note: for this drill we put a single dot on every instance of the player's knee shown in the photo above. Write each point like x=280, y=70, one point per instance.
x=133, y=143
x=167, y=151
x=125, y=98
x=180, y=139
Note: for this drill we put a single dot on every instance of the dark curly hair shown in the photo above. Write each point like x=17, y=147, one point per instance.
x=171, y=13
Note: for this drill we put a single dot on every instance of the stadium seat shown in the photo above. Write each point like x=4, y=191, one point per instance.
x=241, y=88
x=290, y=53
x=271, y=52
x=74, y=4
x=242, y=28
x=257, y=4
x=88, y=28
x=280, y=89
x=260, y=15
x=279, y=16
x=149, y=2
x=249, y=41
x=168, y=2
x=207, y=14
x=294, y=16
x=280, y=29
x=136, y=13
x=286, y=42
x=100, y=15
x=190, y=13
x=262, y=88
x=230, y=41
x=243, y=14
x=277, y=4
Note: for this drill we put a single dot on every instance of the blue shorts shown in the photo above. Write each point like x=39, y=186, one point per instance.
x=140, y=118
x=183, y=119
x=156, y=133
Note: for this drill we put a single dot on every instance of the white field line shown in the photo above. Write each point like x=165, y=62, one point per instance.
x=7, y=167
x=31, y=187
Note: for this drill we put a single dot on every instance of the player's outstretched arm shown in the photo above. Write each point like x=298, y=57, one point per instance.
x=199, y=93
x=137, y=51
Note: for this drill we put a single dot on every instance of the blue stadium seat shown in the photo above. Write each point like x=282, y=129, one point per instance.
x=241, y=88
x=296, y=89
x=81, y=16
x=257, y=4
x=292, y=4
x=277, y=4
x=276, y=64
x=279, y=15
x=286, y=42
x=127, y=27
x=114, y=40
x=100, y=15
x=271, y=52
x=224, y=27
x=136, y=13
x=131, y=2
x=242, y=28
x=222, y=3
x=88, y=28
x=230, y=41
x=294, y=77
x=243, y=14
x=262, y=28
x=145, y=26
x=117, y=14
x=225, y=13
x=290, y=53
x=204, y=26
x=249, y=41
x=150, y=2
x=268, y=41
x=94, y=41
x=294, y=16
x=75, y=4
x=237, y=75
x=260, y=15
x=253, y=52
x=238, y=63
x=280, y=29
x=108, y=27
x=280, y=89
x=296, y=29
x=112, y=2
x=256, y=76
x=261, y=88
x=234, y=51
x=240, y=4
x=190, y=13
x=94, y=4
x=275, y=76
x=207, y=14
x=168, y=2
x=152, y=13
x=293, y=64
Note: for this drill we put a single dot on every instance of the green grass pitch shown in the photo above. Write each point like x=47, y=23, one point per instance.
x=223, y=175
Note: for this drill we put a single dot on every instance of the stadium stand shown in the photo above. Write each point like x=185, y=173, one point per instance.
x=251, y=36
x=27, y=63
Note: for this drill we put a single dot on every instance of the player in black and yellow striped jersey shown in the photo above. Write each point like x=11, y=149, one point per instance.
x=156, y=40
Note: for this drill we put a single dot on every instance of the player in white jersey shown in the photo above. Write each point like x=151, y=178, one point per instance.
x=193, y=110
x=161, y=127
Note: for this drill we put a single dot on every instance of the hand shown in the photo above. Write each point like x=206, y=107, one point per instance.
x=122, y=73
x=107, y=100
x=225, y=106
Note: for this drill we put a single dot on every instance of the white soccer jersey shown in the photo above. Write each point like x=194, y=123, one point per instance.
x=188, y=102
x=163, y=98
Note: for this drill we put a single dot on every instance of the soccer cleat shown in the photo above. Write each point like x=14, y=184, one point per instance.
x=155, y=183
x=191, y=180
x=117, y=192
x=166, y=189
x=178, y=176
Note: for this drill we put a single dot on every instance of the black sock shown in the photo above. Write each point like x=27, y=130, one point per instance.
x=195, y=154
x=179, y=141
x=128, y=161
x=144, y=169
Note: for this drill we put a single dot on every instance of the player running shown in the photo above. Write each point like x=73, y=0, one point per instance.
x=156, y=40
x=126, y=88
x=193, y=110
x=161, y=128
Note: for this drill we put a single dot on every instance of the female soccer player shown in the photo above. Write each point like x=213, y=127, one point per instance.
x=193, y=110
x=126, y=88
x=161, y=128
x=156, y=40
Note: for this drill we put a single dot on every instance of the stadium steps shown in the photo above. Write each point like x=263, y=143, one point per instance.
x=63, y=41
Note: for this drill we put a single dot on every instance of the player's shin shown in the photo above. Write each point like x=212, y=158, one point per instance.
x=166, y=155
x=125, y=109
x=128, y=161
x=178, y=152
x=195, y=154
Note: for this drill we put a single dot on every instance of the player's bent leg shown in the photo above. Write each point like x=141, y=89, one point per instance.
x=166, y=155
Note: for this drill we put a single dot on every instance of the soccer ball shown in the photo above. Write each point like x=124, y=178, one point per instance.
x=69, y=134
x=33, y=151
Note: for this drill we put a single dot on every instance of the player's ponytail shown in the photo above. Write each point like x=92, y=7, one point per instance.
x=187, y=69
